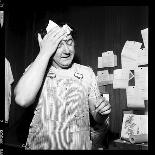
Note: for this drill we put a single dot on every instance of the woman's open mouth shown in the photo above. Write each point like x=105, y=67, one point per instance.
x=66, y=56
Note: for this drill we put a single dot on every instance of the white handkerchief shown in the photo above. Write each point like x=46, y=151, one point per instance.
x=67, y=29
x=50, y=26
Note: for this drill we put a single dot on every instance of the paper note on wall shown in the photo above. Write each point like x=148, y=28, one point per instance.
x=121, y=78
x=128, y=63
x=115, y=60
x=120, y=84
x=134, y=97
x=144, y=34
x=134, y=125
x=102, y=89
x=106, y=96
x=130, y=49
x=121, y=74
x=108, y=59
x=103, y=77
x=142, y=58
x=100, y=65
x=141, y=81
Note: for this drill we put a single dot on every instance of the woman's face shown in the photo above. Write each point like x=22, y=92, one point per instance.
x=64, y=53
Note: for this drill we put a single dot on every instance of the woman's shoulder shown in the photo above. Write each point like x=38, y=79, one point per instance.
x=83, y=68
x=86, y=71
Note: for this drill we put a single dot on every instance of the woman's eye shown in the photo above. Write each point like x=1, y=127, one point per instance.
x=69, y=42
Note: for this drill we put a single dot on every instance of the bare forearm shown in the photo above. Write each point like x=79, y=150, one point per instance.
x=30, y=83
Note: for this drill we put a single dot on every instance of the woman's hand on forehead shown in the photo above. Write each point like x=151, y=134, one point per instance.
x=67, y=37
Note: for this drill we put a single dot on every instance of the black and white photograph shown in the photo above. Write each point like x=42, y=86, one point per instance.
x=76, y=76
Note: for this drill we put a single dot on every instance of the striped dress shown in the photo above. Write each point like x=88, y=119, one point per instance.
x=61, y=118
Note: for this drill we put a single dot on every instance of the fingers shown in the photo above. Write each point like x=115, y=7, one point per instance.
x=106, y=112
x=59, y=38
x=101, y=99
x=51, y=40
x=60, y=34
x=55, y=33
x=104, y=108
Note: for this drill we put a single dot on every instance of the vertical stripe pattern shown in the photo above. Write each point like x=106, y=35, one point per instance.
x=61, y=119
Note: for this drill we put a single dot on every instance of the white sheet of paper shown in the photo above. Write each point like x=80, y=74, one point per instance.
x=103, y=77
x=134, y=125
x=141, y=81
x=130, y=49
x=144, y=34
x=134, y=97
x=120, y=84
x=128, y=63
x=121, y=78
x=115, y=60
x=108, y=59
x=99, y=73
x=100, y=65
x=142, y=58
x=107, y=53
x=121, y=74
x=106, y=96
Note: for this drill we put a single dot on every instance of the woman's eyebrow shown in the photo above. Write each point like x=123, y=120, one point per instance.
x=68, y=39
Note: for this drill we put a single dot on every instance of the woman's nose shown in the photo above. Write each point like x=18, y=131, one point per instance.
x=65, y=46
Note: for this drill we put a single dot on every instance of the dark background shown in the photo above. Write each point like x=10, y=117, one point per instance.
x=99, y=28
